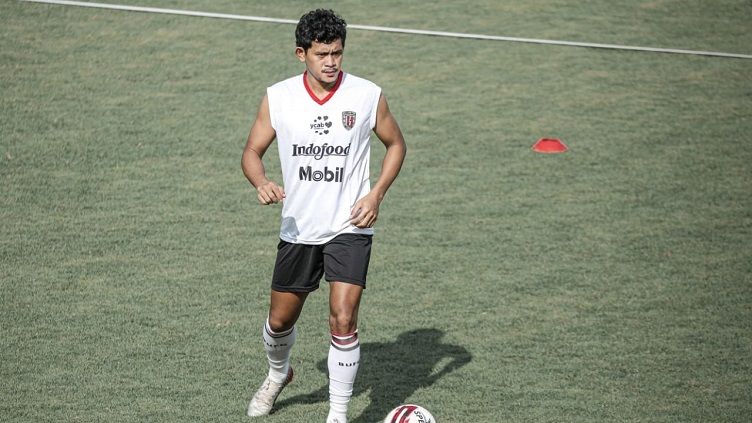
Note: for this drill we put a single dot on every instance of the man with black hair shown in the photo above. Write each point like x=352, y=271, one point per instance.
x=322, y=121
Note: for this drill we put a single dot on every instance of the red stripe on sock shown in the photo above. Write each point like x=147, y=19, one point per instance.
x=345, y=339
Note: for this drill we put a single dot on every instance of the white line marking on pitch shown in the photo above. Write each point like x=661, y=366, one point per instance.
x=389, y=29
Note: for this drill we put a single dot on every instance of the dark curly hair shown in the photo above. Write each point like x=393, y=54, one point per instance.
x=321, y=26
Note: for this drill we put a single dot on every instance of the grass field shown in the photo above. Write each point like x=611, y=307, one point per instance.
x=612, y=283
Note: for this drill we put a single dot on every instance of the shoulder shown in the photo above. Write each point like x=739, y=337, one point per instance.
x=285, y=91
x=352, y=81
x=287, y=84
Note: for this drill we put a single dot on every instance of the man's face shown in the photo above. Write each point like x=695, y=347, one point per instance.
x=323, y=61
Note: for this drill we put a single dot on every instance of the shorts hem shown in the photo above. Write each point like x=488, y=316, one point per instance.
x=295, y=289
x=346, y=280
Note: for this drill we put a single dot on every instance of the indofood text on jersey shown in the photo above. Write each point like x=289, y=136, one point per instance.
x=319, y=151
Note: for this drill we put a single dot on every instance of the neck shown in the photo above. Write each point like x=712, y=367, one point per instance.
x=321, y=92
x=319, y=87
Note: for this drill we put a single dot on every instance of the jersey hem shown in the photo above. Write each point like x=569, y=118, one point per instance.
x=321, y=241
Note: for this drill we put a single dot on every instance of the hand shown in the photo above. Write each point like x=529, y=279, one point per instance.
x=270, y=193
x=365, y=212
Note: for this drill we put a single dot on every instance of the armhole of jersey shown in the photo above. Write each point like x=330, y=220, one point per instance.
x=272, y=115
x=375, y=110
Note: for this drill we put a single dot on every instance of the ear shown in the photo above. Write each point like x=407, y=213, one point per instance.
x=300, y=53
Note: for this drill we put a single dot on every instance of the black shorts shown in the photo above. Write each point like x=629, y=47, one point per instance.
x=299, y=267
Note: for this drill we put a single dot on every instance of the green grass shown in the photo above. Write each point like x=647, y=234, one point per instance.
x=610, y=283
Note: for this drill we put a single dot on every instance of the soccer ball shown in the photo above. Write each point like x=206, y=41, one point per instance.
x=409, y=413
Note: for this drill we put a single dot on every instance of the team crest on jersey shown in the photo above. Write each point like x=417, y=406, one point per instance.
x=348, y=120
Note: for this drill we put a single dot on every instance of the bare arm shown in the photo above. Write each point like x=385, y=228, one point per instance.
x=261, y=136
x=366, y=210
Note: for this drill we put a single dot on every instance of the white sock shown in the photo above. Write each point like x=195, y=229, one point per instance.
x=278, y=346
x=344, y=358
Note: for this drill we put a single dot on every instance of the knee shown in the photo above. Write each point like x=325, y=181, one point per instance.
x=280, y=324
x=341, y=322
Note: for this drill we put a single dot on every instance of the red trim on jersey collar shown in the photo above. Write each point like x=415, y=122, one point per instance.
x=328, y=96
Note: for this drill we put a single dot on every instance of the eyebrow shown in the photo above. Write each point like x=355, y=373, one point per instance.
x=326, y=53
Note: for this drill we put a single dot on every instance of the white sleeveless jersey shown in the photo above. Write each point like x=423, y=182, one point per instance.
x=324, y=150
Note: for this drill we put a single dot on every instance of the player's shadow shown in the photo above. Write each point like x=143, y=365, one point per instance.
x=391, y=372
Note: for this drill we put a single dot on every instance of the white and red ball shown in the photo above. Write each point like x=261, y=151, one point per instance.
x=409, y=413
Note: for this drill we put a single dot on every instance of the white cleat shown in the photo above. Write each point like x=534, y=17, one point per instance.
x=263, y=400
x=332, y=418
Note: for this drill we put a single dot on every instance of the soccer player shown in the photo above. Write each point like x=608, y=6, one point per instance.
x=322, y=121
